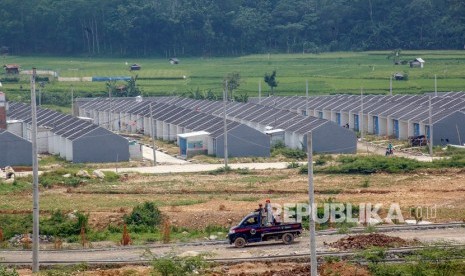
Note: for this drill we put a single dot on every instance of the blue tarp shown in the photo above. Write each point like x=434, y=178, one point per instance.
x=111, y=78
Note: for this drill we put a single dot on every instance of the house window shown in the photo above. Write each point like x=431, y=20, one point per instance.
x=320, y=114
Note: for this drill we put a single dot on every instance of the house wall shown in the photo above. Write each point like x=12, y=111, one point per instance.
x=330, y=138
x=14, y=151
x=451, y=127
x=100, y=145
x=403, y=130
x=16, y=128
x=42, y=140
x=244, y=141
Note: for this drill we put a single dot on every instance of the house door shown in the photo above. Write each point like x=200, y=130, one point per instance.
x=396, y=128
x=427, y=132
x=416, y=129
x=183, y=146
x=356, y=123
x=375, y=125
x=338, y=119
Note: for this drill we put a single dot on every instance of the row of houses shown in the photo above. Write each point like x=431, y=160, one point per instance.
x=399, y=116
x=61, y=134
x=195, y=132
x=260, y=126
x=280, y=125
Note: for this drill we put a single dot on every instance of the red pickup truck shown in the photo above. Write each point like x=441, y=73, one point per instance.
x=251, y=229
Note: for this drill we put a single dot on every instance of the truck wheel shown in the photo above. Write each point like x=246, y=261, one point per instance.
x=239, y=242
x=288, y=238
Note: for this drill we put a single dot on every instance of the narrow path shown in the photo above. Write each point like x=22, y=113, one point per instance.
x=371, y=148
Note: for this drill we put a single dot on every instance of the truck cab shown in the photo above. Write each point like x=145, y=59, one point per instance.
x=253, y=228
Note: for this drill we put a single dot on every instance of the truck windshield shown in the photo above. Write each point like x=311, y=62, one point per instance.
x=250, y=220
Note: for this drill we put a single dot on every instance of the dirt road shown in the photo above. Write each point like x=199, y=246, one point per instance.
x=187, y=168
x=218, y=250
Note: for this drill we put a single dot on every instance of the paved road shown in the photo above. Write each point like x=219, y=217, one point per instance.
x=162, y=157
x=222, y=251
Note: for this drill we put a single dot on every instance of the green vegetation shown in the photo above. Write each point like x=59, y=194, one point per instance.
x=56, y=177
x=8, y=272
x=328, y=73
x=228, y=27
x=62, y=225
x=447, y=261
x=144, y=218
x=280, y=149
x=65, y=270
x=351, y=164
x=178, y=266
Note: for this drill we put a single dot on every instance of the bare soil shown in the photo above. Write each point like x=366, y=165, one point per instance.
x=199, y=200
x=369, y=240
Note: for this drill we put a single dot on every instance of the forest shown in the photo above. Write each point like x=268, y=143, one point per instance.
x=169, y=28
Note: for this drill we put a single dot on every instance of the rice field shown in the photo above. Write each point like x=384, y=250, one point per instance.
x=327, y=73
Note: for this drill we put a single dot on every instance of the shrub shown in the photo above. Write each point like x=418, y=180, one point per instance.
x=293, y=165
x=144, y=218
x=177, y=266
x=291, y=153
x=373, y=164
x=59, y=224
x=220, y=170
x=15, y=224
x=7, y=272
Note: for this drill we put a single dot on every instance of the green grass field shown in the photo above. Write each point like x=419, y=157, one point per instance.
x=340, y=72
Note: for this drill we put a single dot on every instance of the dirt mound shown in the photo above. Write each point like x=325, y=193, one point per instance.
x=292, y=269
x=369, y=240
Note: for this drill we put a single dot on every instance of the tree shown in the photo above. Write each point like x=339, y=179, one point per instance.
x=132, y=89
x=233, y=80
x=271, y=81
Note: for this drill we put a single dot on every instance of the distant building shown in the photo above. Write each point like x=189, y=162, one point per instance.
x=135, y=67
x=174, y=61
x=399, y=76
x=418, y=62
x=11, y=68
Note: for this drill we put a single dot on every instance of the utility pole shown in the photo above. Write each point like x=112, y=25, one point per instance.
x=361, y=114
x=430, y=128
x=435, y=85
x=152, y=128
x=306, y=98
x=35, y=176
x=311, y=192
x=72, y=100
x=225, y=142
x=259, y=92
x=110, y=127
x=40, y=97
x=390, y=86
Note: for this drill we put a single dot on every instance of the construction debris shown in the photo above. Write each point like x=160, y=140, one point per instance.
x=83, y=174
x=98, y=174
